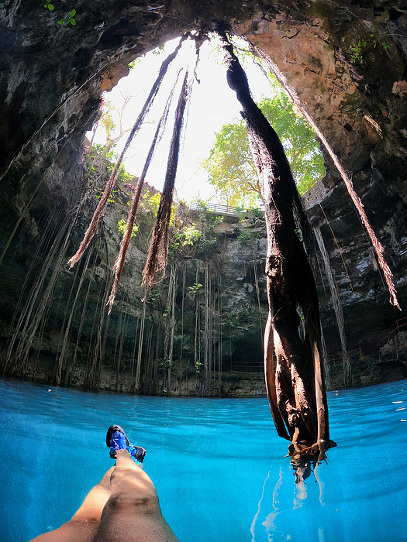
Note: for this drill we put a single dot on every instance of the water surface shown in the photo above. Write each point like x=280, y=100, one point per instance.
x=218, y=464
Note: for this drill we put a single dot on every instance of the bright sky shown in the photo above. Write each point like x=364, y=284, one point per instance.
x=212, y=105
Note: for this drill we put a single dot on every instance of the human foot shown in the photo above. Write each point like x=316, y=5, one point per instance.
x=116, y=439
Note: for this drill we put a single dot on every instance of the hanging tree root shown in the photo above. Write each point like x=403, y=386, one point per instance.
x=345, y=177
x=293, y=367
x=90, y=232
x=158, y=250
x=124, y=245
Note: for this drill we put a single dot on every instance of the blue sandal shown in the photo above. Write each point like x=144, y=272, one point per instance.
x=116, y=439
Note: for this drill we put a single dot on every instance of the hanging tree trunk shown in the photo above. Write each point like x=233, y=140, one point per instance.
x=293, y=367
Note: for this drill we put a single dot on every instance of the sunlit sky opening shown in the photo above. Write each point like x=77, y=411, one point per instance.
x=212, y=105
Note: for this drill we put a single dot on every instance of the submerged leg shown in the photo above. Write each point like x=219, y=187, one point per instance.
x=122, y=507
x=85, y=522
x=132, y=512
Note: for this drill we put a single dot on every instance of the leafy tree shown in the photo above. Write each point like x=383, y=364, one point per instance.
x=230, y=163
x=231, y=168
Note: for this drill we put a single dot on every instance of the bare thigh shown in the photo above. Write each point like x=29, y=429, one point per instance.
x=132, y=512
x=85, y=522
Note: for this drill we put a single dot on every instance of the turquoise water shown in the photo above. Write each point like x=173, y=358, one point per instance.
x=218, y=465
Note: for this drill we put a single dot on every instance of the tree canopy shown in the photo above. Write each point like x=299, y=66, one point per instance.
x=230, y=163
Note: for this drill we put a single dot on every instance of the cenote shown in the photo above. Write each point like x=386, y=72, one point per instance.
x=218, y=313
x=218, y=464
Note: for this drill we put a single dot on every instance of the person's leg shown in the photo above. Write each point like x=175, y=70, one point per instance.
x=132, y=512
x=83, y=525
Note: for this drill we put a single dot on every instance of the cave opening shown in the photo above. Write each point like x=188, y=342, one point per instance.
x=300, y=410
x=66, y=151
x=212, y=107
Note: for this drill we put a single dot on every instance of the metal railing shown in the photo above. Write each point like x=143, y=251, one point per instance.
x=217, y=208
x=337, y=357
x=401, y=325
x=246, y=367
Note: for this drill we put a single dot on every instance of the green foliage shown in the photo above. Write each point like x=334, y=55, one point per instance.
x=363, y=44
x=150, y=202
x=101, y=159
x=159, y=50
x=134, y=62
x=164, y=364
x=212, y=221
x=195, y=289
x=256, y=212
x=299, y=141
x=196, y=239
x=107, y=122
x=207, y=241
x=99, y=166
x=183, y=239
x=298, y=233
x=70, y=18
x=154, y=298
x=231, y=168
x=247, y=236
x=189, y=235
x=357, y=50
x=200, y=204
x=153, y=202
x=230, y=164
x=121, y=225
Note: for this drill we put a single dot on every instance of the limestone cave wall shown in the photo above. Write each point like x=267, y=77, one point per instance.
x=345, y=60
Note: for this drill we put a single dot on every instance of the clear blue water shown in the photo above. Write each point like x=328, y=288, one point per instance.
x=218, y=465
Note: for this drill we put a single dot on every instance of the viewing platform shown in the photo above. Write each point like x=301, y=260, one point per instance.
x=219, y=209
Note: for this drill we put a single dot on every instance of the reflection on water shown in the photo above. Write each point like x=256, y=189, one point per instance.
x=303, y=467
x=360, y=495
x=272, y=522
x=218, y=465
